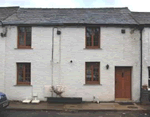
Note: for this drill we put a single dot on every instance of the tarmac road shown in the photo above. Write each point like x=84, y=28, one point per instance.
x=15, y=113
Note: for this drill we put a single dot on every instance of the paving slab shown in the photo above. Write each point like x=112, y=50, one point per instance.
x=75, y=107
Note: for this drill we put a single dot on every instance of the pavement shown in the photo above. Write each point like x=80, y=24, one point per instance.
x=85, y=106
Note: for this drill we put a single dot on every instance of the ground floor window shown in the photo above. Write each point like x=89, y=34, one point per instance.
x=23, y=73
x=92, y=74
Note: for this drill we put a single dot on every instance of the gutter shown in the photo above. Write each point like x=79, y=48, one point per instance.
x=68, y=24
x=141, y=61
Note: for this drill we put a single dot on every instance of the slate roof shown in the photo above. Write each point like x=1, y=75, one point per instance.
x=142, y=17
x=51, y=16
x=61, y=16
x=7, y=11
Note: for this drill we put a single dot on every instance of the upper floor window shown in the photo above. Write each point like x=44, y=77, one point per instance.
x=93, y=37
x=24, y=37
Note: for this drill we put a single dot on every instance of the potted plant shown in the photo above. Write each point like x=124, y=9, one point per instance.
x=145, y=87
x=58, y=90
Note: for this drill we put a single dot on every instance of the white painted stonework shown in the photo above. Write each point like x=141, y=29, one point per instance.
x=117, y=49
x=146, y=54
x=2, y=62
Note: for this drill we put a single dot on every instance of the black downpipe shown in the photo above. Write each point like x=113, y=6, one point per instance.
x=141, y=62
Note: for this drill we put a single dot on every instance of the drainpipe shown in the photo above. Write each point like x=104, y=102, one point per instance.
x=60, y=58
x=52, y=59
x=141, y=62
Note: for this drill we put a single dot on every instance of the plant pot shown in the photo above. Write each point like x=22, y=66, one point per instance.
x=64, y=99
x=145, y=87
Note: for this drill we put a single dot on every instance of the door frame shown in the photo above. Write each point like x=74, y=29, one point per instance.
x=131, y=67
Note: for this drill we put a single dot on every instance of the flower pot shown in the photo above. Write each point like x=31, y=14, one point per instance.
x=145, y=87
x=64, y=99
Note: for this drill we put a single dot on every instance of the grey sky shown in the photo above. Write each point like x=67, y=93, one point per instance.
x=134, y=5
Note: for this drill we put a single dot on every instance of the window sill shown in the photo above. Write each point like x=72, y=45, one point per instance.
x=92, y=84
x=22, y=48
x=23, y=85
x=92, y=48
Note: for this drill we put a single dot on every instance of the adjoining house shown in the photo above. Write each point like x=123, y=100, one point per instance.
x=92, y=52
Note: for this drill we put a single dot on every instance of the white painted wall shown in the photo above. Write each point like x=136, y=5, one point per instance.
x=2, y=61
x=146, y=54
x=117, y=49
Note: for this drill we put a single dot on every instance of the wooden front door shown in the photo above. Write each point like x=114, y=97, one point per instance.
x=123, y=83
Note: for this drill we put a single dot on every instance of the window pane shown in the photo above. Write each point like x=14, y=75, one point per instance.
x=27, y=72
x=28, y=39
x=21, y=35
x=88, y=72
x=95, y=71
x=28, y=36
x=27, y=79
x=88, y=36
x=20, y=72
x=96, y=36
x=21, y=39
x=28, y=29
x=22, y=29
x=95, y=74
x=89, y=41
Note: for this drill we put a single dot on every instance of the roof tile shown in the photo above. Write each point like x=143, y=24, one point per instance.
x=71, y=16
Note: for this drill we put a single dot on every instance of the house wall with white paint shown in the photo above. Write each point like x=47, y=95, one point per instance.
x=146, y=55
x=2, y=61
x=117, y=49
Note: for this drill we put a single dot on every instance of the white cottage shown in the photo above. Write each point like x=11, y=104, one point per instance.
x=92, y=52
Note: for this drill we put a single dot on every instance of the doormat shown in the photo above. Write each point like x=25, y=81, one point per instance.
x=126, y=103
x=134, y=107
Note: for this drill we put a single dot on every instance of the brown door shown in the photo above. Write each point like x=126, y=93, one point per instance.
x=123, y=83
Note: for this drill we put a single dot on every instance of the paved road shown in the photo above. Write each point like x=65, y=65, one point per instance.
x=12, y=113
